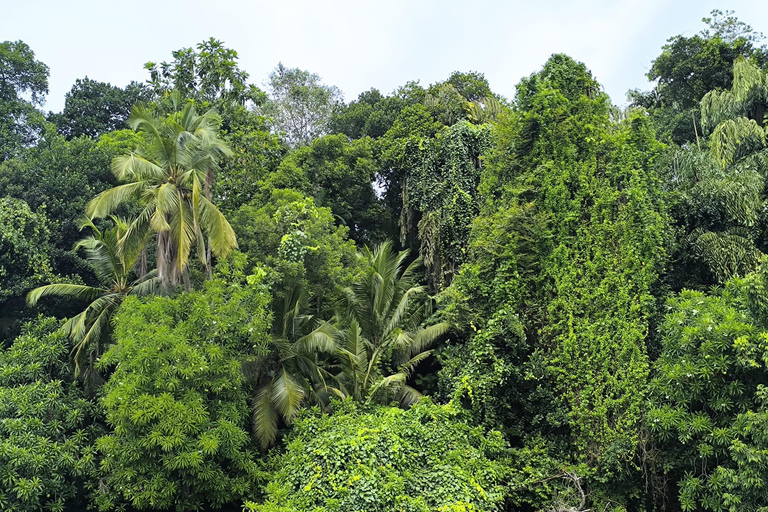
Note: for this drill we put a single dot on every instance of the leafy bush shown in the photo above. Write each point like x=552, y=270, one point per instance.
x=176, y=400
x=385, y=459
x=710, y=398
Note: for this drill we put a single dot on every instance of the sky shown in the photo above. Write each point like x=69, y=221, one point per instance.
x=359, y=44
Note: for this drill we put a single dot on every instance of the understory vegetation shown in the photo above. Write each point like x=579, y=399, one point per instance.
x=215, y=297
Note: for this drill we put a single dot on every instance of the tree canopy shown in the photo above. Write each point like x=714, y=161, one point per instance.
x=215, y=298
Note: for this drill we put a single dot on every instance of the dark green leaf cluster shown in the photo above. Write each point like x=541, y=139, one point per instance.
x=21, y=75
x=25, y=252
x=93, y=108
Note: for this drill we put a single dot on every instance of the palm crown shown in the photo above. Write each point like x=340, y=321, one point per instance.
x=386, y=339
x=170, y=176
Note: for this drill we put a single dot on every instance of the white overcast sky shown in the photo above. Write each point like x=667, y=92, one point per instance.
x=359, y=44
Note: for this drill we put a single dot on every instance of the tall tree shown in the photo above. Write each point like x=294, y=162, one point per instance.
x=690, y=67
x=440, y=196
x=176, y=403
x=371, y=114
x=719, y=191
x=209, y=74
x=300, y=104
x=170, y=175
x=20, y=75
x=557, y=292
x=93, y=108
x=338, y=174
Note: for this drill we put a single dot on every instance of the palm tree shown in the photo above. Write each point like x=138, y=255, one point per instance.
x=385, y=339
x=286, y=370
x=89, y=330
x=170, y=175
x=737, y=117
x=724, y=187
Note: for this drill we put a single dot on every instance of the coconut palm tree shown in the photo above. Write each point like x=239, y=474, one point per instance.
x=89, y=330
x=385, y=339
x=170, y=176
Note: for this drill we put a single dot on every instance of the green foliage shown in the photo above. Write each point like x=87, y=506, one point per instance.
x=21, y=76
x=255, y=154
x=719, y=194
x=61, y=176
x=552, y=229
x=558, y=290
x=90, y=329
x=94, y=108
x=338, y=174
x=371, y=115
x=176, y=401
x=47, y=460
x=472, y=85
x=388, y=334
x=382, y=459
x=719, y=211
x=441, y=190
x=208, y=74
x=690, y=67
x=170, y=175
x=300, y=245
x=285, y=369
x=709, y=398
x=400, y=148
x=25, y=254
x=736, y=117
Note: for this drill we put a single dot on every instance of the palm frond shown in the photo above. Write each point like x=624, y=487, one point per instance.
x=221, y=236
x=426, y=337
x=264, y=416
x=95, y=335
x=321, y=339
x=146, y=287
x=106, y=202
x=134, y=167
x=71, y=291
x=397, y=380
x=409, y=396
x=409, y=367
x=286, y=395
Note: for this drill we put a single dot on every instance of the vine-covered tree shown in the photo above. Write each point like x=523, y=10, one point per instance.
x=564, y=259
x=425, y=458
